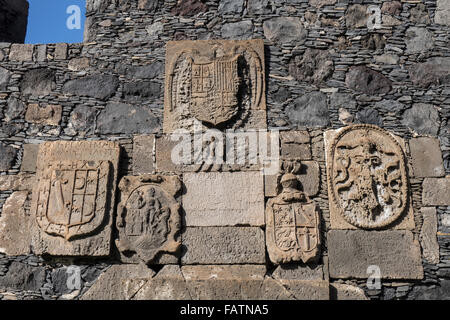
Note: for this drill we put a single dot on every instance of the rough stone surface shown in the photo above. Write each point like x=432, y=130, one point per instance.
x=284, y=30
x=141, y=91
x=21, y=52
x=100, y=86
x=392, y=7
x=395, y=252
x=241, y=30
x=442, y=15
x=367, y=81
x=188, y=8
x=299, y=272
x=81, y=121
x=422, y=118
x=321, y=3
x=22, y=182
x=22, y=277
x=348, y=292
x=231, y=6
x=418, y=40
x=224, y=272
x=38, y=82
x=257, y=7
x=51, y=233
x=356, y=16
x=219, y=205
x=15, y=225
x=315, y=66
x=426, y=157
x=5, y=76
x=29, y=158
x=48, y=115
x=370, y=116
x=223, y=245
x=143, y=151
x=436, y=192
x=78, y=64
x=310, y=110
x=433, y=71
x=127, y=118
x=7, y=156
x=428, y=238
x=419, y=14
x=295, y=145
x=14, y=110
x=119, y=282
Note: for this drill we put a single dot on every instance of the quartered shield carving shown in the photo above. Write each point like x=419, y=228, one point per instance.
x=72, y=197
x=292, y=231
x=149, y=217
x=367, y=176
x=213, y=82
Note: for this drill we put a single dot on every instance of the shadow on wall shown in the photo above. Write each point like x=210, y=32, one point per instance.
x=13, y=20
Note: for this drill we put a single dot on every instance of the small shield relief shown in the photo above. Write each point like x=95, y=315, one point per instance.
x=214, y=90
x=71, y=198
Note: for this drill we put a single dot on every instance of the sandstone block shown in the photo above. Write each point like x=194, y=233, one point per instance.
x=211, y=199
x=347, y=292
x=428, y=238
x=48, y=115
x=30, y=152
x=426, y=157
x=224, y=272
x=143, y=151
x=21, y=52
x=223, y=245
x=396, y=253
x=436, y=192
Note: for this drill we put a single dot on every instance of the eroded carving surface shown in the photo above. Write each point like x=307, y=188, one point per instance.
x=292, y=230
x=149, y=217
x=367, y=176
x=220, y=83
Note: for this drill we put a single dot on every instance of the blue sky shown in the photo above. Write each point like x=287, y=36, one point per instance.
x=47, y=22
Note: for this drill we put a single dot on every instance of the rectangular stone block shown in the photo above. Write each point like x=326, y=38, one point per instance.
x=30, y=152
x=143, y=151
x=224, y=199
x=295, y=145
x=226, y=81
x=436, y=192
x=396, y=253
x=61, y=51
x=73, y=199
x=428, y=237
x=294, y=271
x=48, y=115
x=426, y=157
x=21, y=52
x=223, y=245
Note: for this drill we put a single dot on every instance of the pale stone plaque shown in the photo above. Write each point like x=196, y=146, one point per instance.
x=218, y=82
x=367, y=180
x=224, y=199
x=148, y=216
x=73, y=198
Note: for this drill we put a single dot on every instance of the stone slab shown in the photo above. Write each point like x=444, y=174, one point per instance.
x=117, y=283
x=224, y=199
x=21, y=52
x=15, y=225
x=20, y=182
x=436, y=191
x=48, y=115
x=396, y=253
x=143, y=151
x=428, y=238
x=30, y=152
x=56, y=166
x=344, y=291
x=183, y=108
x=298, y=272
x=295, y=145
x=224, y=272
x=223, y=245
x=426, y=157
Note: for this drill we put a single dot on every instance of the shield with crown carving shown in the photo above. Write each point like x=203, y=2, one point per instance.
x=214, y=90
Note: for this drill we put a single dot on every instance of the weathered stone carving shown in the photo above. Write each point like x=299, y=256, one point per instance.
x=73, y=198
x=367, y=182
x=148, y=216
x=292, y=224
x=215, y=82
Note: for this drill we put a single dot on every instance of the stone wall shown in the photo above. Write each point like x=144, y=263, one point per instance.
x=13, y=20
x=324, y=70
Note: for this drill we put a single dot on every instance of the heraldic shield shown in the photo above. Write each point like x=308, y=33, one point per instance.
x=72, y=198
x=293, y=231
x=214, y=90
